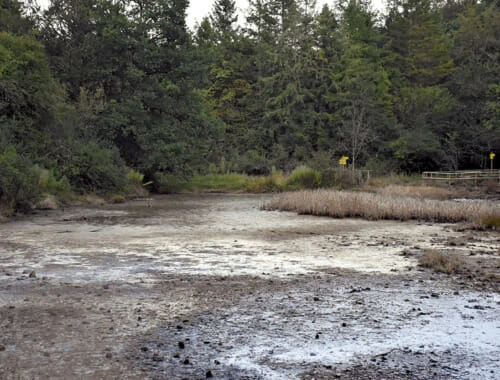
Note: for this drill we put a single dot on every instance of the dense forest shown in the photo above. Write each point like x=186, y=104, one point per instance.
x=94, y=91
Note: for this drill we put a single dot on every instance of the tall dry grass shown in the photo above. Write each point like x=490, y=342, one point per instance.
x=344, y=204
x=422, y=191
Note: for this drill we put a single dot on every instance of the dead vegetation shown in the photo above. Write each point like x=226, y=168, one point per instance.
x=479, y=271
x=422, y=191
x=344, y=204
x=439, y=261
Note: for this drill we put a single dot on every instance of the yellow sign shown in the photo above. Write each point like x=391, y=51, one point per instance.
x=492, y=156
x=343, y=160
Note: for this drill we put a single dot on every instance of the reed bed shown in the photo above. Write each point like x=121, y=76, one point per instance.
x=423, y=191
x=348, y=204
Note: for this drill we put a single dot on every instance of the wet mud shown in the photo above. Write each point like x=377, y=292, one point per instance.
x=210, y=286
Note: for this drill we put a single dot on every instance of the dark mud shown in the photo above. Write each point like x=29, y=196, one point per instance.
x=210, y=286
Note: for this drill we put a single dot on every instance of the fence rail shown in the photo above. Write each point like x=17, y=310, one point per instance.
x=463, y=175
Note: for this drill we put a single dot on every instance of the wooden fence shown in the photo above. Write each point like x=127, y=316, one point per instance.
x=463, y=175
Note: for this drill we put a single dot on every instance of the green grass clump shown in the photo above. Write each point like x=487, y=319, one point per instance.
x=491, y=222
x=233, y=182
x=49, y=184
x=118, y=199
x=303, y=178
x=165, y=183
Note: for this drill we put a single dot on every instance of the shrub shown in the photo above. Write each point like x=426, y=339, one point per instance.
x=251, y=163
x=118, y=199
x=18, y=181
x=134, y=186
x=49, y=184
x=303, y=178
x=96, y=169
x=134, y=177
x=166, y=183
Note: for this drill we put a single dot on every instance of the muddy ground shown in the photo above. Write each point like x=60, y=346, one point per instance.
x=211, y=286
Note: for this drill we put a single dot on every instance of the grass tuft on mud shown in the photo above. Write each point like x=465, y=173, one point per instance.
x=444, y=262
x=349, y=204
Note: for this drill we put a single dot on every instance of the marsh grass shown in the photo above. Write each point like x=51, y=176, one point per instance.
x=236, y=182
x=348, y=204
x=491, y=222
x=277, y=181
x=417, y=191
x=444, y=262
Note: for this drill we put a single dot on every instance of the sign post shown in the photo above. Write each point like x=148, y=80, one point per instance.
x=343, y=160
x=492, y=157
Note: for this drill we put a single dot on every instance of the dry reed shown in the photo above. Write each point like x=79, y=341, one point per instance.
x=344, y=204
x=429, y=192
x=442, y=262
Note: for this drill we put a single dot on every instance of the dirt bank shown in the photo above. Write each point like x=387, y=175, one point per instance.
x=201, y=286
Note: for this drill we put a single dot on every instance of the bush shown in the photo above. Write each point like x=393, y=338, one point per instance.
x=96, y=169
x=304, y=178
x=134, y=177
x=251, y=163
x=18, y=181
x=134, y=186
x=49, y=184
x=166, y=183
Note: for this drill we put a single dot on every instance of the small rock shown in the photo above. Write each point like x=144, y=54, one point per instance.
x=176, y=355
x=317, y=336
x=144, y=349
x=216, y=362
x=209, y=375
x=435, y=295
x=139, y=318
x=181, y=345
x=186, y=361
x=179, y=327
x=157, y=358
x=344, y=324
x=109, y=355
x=316, y=299
x=32, y=274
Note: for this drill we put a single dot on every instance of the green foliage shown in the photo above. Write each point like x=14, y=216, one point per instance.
x=134, y=177
x=233, y=182
x=90, y=86
x=18, y=182
x=167, y=183
x=49, y=184
x=94, y=168
x=303, y=178
x=491, y=222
